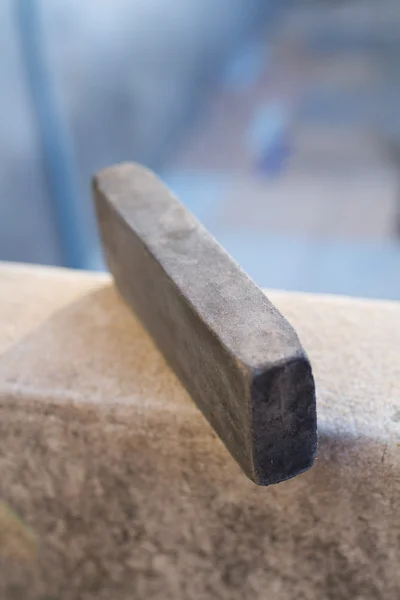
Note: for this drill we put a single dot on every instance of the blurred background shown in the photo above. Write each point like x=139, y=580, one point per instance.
x=277, y=123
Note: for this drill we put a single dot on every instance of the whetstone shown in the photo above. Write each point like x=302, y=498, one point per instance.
x=237, y=356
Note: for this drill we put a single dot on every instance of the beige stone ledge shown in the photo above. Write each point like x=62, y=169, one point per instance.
x=113, y=486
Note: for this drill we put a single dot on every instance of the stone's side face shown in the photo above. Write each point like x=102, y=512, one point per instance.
x=237, y=356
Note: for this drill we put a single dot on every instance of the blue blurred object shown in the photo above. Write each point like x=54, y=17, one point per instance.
x=268, y=140
x=57, y=147
x=268, y=125
x=272, y=161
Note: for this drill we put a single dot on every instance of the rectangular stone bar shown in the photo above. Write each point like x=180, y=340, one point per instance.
x=239, y=359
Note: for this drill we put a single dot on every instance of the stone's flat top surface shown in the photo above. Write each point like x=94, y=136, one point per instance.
x=213, y=284
x=123, y=490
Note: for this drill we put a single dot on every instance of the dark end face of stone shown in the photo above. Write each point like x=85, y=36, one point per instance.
x=238, y=357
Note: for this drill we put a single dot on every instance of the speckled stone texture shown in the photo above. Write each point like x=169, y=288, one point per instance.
x=113, y=485
x=237, y=356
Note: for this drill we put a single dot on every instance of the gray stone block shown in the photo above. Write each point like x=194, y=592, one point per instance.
x=239, y=359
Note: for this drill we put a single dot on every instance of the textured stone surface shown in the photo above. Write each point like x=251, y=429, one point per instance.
x=128, y=492
x=237, y=356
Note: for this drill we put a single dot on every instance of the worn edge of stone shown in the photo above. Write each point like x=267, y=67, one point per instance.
x=292, y=369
